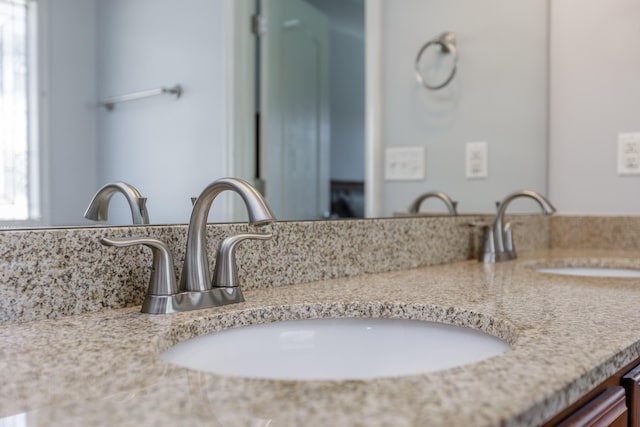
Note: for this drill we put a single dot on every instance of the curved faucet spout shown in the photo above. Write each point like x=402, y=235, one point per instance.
x=499, y=241
x=196, y=276
x=451, y=205
x=98, y=209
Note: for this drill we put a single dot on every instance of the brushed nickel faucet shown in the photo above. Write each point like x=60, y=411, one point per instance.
x=451, y=205
x=195, y=273
x=98, y=209
x=196, y=290
x=498, y=243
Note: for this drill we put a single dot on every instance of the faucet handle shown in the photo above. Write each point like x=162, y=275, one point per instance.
x=489, y=247
x=508, y=238
x=162, y=280
x=226, y=274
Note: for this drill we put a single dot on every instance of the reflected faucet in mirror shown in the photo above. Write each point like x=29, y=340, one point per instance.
x=196, y=289
x=450, y=203
x=98, y=209
x=498, y=244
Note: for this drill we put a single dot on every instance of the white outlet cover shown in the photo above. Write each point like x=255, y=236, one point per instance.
x=477, y=160
x=629, y=153
x=405, y=163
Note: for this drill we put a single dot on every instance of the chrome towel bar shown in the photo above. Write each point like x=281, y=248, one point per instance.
x=109, y=103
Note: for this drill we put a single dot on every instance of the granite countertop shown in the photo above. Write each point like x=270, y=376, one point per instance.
x=567, y=333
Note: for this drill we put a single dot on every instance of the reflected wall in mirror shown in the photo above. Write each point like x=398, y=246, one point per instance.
x=497, y=96
x=171, y=148
x=595, y=97
x=168, y=148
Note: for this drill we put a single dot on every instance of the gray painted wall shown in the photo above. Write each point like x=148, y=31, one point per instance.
x=169, y=149
x=595, y=94
x=70, y=129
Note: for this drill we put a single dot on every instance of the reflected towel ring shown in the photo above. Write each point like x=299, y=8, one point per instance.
x=447, y=43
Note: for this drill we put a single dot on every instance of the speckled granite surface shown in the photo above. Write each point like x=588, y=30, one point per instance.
x=103, y=368
x=592, y=231
x=57, y=272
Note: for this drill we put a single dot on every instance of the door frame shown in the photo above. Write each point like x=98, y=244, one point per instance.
x=239, y=54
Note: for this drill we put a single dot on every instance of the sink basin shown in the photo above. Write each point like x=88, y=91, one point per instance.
x=335, y=349
x=591, y=271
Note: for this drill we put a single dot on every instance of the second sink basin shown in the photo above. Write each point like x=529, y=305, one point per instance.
x=591, y=271
x=335, y=349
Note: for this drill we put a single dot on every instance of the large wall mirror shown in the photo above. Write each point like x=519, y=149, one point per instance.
x=528, y=95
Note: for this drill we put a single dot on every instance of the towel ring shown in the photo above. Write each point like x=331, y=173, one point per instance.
x=447, y=43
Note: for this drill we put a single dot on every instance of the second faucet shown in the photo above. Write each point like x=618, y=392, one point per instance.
x=498, y=243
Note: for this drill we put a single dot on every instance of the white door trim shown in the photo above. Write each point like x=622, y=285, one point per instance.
x=372, y=109
x=239, y=54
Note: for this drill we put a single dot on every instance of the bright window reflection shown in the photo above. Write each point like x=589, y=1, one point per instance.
x=19, y=420
x=18, y=113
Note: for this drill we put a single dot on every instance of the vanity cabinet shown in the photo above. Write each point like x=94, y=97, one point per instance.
x=613, y=403
x=608, y=409
x=631, y=383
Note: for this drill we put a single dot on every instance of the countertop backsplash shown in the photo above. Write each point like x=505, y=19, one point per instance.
x=50, y=273
x=606, y=232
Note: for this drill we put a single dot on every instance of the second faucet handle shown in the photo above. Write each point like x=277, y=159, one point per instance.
x=226, y=273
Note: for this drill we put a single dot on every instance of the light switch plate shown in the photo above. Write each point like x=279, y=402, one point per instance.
x=405, y=163
x=477, y=160
x=629, y=153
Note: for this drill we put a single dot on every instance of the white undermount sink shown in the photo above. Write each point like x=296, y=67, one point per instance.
x=335, y=349
x=591, y=271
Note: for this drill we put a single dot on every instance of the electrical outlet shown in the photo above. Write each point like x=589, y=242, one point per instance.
x=405, y=163
x=629, y=153
x=477, y=160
